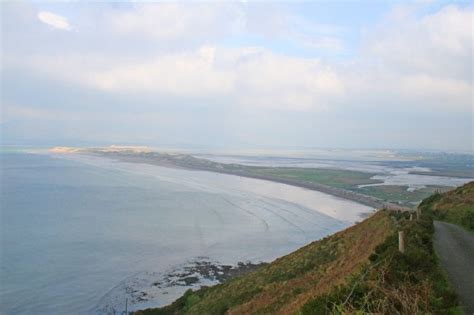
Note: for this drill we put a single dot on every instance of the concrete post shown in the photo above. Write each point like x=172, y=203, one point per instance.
x=401, y=242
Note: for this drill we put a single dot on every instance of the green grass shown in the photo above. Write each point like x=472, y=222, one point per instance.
x=399, y=194
x=356, y=271
x=350, y=180
x=288, y=282
x=456, y=206
x=392, y=282
x=331, y=177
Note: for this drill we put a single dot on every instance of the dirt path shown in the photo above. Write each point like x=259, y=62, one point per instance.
x=455, y=247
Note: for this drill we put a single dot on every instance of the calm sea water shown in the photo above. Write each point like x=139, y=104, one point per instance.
x=73, y=229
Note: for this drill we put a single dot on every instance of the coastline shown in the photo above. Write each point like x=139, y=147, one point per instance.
x=188, y=162
x=151, y=290
x=226, y=237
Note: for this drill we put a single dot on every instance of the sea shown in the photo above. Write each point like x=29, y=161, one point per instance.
x=89, y=235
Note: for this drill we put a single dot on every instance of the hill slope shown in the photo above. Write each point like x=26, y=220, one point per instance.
x=290, y=281
x=455, y=206
x=358, y=269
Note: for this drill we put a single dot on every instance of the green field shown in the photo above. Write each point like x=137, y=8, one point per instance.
x=337, y=178
x=399, y=194
x=456, y=206
x=350, y=180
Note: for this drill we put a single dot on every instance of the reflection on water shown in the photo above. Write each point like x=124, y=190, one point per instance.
x=72, y=230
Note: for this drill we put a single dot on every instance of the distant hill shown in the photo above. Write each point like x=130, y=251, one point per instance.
x=358, y=269
x=455, y=206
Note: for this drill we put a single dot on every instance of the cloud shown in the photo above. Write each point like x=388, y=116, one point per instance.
x=54, y=20
x=439, y=44
x=332, y=44
x=410, y=62
x=190, y=74
x=242, y=70
x=177, y=23
x=407, y=62
x=273, y=81
x=277, y=22
x=247, y=77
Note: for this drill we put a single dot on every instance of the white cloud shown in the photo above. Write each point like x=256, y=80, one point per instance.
x=248, y=77
x=409, y=62
x=189, y=74
x=413, y=62
x=146, y=58
x=173, y=22
x=54, y=20
x=332, y=44
x=274, y=81
x=439, y=44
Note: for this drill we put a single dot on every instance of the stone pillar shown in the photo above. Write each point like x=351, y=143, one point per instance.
x=401, y=242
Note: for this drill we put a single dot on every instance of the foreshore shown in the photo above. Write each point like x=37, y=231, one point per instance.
x=189, y=162
x=161, y=289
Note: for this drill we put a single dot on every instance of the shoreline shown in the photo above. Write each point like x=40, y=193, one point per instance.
x=151, y=253
x=191, y=163
x=152, y=290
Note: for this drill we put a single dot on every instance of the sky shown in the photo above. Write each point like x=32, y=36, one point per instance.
x=321, y=74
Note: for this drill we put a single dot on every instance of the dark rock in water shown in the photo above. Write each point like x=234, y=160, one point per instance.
x=190, y=280
x=141, y=296
x=193, y=275
x=207, y=270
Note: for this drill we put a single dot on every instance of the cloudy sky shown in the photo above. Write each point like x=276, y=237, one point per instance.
x=238, y=74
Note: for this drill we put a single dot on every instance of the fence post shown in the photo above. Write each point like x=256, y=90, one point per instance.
x=401, y=242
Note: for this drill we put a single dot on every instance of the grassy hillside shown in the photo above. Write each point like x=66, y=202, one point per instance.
x=290, y=281
x=455, y=206
x=392, y=282
x=358, y=270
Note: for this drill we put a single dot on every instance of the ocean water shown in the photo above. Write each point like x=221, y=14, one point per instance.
x=77, y=230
